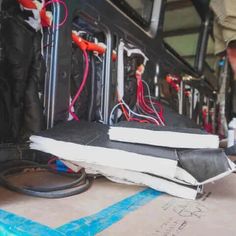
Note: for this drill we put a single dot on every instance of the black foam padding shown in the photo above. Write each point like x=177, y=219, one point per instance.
x=231, y=150
x=204, y=163
x=96, y=134
x=173, y=119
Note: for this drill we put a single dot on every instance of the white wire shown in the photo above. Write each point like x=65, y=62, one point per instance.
x=140, y=109
x=130, y=112
x=139, y=115
x=112, y=111
x=151, y=102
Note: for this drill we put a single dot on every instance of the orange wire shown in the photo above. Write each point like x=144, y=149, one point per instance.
x=124, y=111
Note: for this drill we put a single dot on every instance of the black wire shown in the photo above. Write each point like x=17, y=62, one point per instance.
x=93, y=77
x=81, y=184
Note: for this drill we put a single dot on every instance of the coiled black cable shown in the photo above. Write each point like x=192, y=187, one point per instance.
x=81, y=184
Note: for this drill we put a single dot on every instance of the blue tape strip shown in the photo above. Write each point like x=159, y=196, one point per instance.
x=11, y=224
x=98, y=222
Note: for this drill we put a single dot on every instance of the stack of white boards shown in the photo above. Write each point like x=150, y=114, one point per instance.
x=179, y=172
x=164, y=136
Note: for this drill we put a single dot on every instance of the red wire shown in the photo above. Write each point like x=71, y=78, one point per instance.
x=85, y=76
x=145, y=106
x=124, y=112
x=143, y=103
x=142, y=121
x=140, y=96
x=160, y=108
x=128, y=118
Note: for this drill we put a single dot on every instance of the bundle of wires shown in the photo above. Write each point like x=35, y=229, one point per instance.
x=79, y=184
x=142, y=103
x=148, y=110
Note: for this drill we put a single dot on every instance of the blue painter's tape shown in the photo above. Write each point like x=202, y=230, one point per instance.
x=98, y=222
x=11, y=224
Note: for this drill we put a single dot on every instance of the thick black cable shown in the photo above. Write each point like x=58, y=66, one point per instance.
x=81, y=177
x=81, y=184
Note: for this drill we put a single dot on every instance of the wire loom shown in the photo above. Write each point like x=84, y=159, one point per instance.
x=77, y=186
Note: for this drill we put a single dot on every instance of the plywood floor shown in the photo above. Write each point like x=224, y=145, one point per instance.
x=114, y=209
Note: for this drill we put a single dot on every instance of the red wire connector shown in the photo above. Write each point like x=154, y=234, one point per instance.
x=140, y=70
x=173, y=81
x=28, y=4
x=187, y=93
x=45, y=16
x=99, y=48
x=114, y=55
